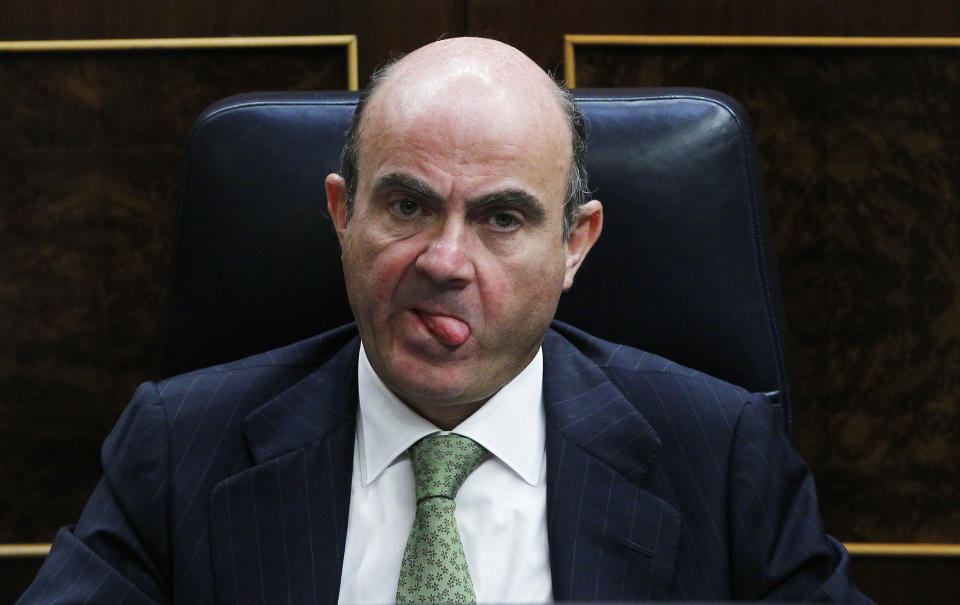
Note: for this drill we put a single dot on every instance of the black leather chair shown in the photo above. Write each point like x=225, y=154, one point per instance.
x=684, y=267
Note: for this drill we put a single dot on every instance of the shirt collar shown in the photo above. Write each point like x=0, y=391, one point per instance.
x=510, y=424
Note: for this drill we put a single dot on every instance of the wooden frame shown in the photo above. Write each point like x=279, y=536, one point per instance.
x=348, y=41
x=571, y=41
x=867, y=549
x=881, y=549
x=24, y=551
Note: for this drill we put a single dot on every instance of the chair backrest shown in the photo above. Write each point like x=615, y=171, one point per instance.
x=684, y=267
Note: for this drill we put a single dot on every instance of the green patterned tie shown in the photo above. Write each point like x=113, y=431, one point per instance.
x=434, y=569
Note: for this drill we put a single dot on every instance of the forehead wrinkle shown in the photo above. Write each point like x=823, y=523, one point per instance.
x=459, y=117
x=412, y=152
x=461, y=101
x=463, y=141
x=468, y=79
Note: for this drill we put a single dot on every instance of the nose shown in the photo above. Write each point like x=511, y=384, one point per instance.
x=446, y=258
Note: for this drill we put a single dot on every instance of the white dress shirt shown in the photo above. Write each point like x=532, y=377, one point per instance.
x=501, y=507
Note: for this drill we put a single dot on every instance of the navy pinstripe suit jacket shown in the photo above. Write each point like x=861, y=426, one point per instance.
x=231, y=485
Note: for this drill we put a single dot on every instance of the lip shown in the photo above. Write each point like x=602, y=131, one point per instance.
x=421, y=311
x=443, y=327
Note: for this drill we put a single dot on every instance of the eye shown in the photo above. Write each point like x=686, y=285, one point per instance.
x=405, y=207
x=504, y=221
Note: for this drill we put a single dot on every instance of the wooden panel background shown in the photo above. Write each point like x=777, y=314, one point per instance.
x=93, y=144
x=860, y=149
x=89, y=171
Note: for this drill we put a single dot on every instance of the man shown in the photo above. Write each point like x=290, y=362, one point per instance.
x=598, y=472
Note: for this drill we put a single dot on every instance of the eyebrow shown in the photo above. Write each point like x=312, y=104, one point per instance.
x=519, y=199
x=405, y=181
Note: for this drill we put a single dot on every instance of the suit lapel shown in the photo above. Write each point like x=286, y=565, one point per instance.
x=609, y=538
x=278, y=528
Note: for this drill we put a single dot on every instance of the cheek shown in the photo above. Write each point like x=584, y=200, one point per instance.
x=529, y=288
x=375, y=267
x=387, y=271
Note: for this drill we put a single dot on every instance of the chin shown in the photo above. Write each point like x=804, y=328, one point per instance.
x=418, y=369
x=435, y=392
x=431, y=384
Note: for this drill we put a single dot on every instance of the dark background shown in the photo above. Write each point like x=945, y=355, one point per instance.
x=859, y=148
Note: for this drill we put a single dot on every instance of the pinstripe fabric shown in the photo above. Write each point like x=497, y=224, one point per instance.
x=228, y=484
x=665, y=483
x=232, y=485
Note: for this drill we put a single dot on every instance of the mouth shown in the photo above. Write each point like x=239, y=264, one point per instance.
x=451, y=331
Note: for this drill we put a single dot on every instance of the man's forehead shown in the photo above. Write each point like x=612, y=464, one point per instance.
x=467, y=116
x=461, y=100
x=485, y=59
x=490, y=147
x=464, y=79
x=466, y=125
x=459, y=107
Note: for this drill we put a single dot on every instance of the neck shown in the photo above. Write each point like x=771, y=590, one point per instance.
x=446, y=417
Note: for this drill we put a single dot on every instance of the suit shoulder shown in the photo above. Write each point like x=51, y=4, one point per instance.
x=244, y=384
x=307, y=353
x=622, y=360
x=665, y=392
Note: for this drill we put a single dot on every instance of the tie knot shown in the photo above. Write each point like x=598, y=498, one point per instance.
x=441, y=463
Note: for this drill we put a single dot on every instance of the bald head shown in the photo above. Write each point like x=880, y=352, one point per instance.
x=466, y=73
x=462, y=236
x=461, y=83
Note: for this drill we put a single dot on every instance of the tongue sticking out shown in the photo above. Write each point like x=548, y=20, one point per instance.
x=448, y=330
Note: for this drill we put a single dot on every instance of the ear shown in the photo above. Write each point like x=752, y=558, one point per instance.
x=337, y=203
x=583, y=233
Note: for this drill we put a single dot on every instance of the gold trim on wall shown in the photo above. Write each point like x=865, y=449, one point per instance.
x=865, y=549
x=571, y=41
x=348, y=41
x=881, y=549
x=23, y=551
